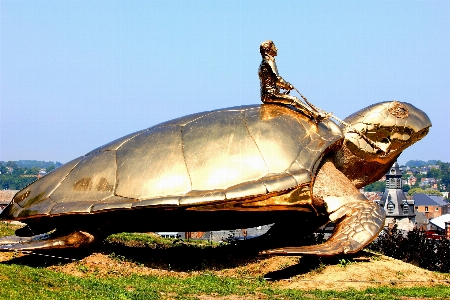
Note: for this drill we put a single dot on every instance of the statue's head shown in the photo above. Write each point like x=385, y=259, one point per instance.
x=268, y=47
x=387, y=129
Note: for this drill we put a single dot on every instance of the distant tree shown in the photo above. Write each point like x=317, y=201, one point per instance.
x=444, y=167
x=11, y=164
x=19, y=171
x=33, y=171
x=406, y=188
x=49, y=169
x=434, y=173
x=433, y=192
x=422, y=191
x=12, y=182
x=416, y=190
x=378, y=186
x=446, y=179
x=415, y=163
x=3, y=169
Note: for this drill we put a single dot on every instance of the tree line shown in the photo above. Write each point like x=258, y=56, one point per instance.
x=14, y=177
x=441, y=174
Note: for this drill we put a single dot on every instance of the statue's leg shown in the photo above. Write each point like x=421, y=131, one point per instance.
x=46, y=241
x=357, y=220
x=297, y=103
x=357, y=223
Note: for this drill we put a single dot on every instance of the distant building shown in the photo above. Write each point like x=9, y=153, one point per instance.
x=412, y=180
x=431, y=205
x=373, y=196
x=432, y=182
x=422, y=221
x=440, y=221
x=399, y=210
x=424, y=170
x=412, y=171
x=5, y=198
x=222, y=235
x=41, y=173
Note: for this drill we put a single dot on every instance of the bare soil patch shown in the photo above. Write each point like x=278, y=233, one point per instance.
x=338, y=273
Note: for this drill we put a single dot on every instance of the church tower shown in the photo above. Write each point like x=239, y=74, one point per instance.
x=398, y=209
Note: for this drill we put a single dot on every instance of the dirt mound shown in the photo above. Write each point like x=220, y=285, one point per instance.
x=361, y=271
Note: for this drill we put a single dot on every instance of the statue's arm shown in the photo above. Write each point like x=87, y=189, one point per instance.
x=280, y=81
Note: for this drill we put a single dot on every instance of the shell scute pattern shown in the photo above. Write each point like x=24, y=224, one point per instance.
x=212, y=156
x=40, y=190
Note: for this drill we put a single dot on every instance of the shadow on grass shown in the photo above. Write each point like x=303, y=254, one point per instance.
x=185, y=257
x=181, y=256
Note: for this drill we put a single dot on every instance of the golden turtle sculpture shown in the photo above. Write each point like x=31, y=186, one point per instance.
x=238, y=167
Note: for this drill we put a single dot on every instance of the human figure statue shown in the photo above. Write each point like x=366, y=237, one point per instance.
x=272, y=83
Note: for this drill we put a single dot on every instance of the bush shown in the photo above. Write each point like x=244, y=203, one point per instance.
x=413, y=246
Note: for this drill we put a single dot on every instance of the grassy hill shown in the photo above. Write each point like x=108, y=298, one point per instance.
x=143, y=266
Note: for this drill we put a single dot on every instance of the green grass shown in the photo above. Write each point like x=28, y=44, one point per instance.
x=153, y=241
x=20, y=281
x=23, y=282
x=8, y=229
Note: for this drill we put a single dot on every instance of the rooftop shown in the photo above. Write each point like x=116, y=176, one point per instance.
x=422, y=199
x=6, y=196
x=440, y=221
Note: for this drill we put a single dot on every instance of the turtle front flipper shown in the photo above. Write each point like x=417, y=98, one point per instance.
x=357, y=223
x=46, y=241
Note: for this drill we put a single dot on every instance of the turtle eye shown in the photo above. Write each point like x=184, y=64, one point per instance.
x=398, y=110
x=385, y=140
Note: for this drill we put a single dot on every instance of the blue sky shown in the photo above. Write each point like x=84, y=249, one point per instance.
x=78, y=74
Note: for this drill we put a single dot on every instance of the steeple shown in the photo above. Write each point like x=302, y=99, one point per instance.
x=398, y=209
x=394, y=177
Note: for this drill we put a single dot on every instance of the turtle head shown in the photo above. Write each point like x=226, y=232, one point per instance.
x=378, y=134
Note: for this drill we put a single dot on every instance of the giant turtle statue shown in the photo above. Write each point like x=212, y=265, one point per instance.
x=231, y=168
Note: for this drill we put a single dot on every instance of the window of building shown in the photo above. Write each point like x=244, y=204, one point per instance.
x=390, y=208
x=437, y=208
x=392, y=183
x=426, y=208
x=405, y=209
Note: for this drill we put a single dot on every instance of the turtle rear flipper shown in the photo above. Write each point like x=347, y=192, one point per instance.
x=46, y=241
x=356, y=225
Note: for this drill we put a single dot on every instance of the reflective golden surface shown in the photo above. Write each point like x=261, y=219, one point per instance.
x=389, y=128
x=220, y=153
x=235, y=153
x=246, y=165
x=253, y=158
x=84, y=184
x=151, y=164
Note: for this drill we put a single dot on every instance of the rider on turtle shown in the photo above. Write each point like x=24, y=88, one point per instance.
x=272, y=82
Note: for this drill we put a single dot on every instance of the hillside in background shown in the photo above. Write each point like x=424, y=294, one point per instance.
x=420, y=163
x=35, y=164
x=15, y=175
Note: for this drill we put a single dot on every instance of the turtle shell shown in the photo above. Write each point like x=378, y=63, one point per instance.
x=220, y=155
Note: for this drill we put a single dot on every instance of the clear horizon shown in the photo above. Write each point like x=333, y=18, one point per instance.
x=75, y=75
